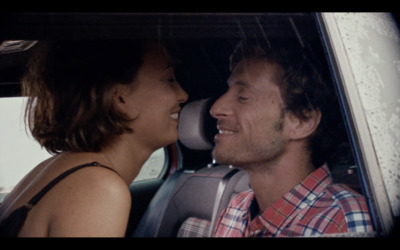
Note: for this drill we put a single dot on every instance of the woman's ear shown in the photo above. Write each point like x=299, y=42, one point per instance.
x=119, y=95
x=121, y=100
x=302, y=128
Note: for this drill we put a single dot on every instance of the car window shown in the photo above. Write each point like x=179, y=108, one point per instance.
x=19, y=152
x=154, y=166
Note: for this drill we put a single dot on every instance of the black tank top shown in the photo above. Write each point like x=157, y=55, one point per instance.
x=11, y=225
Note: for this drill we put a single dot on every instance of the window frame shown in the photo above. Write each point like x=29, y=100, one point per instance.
x=359, y=133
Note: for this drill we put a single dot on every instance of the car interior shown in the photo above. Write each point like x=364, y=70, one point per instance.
x=187, y=199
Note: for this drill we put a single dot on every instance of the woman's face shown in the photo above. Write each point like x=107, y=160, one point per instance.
x=154, y=100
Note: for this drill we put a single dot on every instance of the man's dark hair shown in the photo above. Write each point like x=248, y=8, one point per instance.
x=304, y=87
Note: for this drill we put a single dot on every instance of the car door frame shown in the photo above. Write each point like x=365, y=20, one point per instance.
x=363, y=144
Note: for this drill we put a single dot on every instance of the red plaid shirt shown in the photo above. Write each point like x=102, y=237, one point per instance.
x=314, y=207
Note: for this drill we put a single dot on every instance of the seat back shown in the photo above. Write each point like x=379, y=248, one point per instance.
x=188, y=195
x=190, y=201
x=232, y=183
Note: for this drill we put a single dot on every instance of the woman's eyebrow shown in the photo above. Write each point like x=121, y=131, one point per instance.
x=168, y=67
x=170, y=64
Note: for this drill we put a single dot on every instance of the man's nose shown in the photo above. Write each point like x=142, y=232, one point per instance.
x=220, y=108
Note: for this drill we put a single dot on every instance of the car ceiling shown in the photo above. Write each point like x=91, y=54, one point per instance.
x=57, y=25
x=177, y=26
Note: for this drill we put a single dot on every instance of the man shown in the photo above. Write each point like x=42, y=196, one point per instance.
x=272, y=123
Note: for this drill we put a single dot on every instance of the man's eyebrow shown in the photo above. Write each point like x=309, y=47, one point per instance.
x=236, y=82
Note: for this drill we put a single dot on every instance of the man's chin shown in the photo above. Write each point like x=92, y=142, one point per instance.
x=221, y=157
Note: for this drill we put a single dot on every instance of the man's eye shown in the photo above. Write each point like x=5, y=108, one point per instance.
x=243, y=99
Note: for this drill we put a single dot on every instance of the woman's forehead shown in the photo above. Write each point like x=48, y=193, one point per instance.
x=158, y=58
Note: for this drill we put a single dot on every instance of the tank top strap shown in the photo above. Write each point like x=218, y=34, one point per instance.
x=35, y=199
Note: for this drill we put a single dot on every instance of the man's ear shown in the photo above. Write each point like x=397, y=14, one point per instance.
x=302, y=128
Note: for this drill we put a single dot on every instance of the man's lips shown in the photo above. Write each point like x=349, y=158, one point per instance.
x=224, y=131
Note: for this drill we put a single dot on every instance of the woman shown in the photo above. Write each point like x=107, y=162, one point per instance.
x=102, y=107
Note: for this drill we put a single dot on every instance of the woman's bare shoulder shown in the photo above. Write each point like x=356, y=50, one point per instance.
x=93, y=200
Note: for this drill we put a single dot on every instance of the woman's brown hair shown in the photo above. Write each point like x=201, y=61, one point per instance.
x=70, y=85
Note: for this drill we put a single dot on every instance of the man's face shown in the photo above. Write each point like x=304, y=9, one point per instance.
x=251, y=117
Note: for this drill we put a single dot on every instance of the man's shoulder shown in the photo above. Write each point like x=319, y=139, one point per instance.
x=243, y=198
x=350, y=202
x=343, y=194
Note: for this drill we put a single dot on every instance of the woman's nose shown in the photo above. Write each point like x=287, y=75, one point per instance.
x=182, y=95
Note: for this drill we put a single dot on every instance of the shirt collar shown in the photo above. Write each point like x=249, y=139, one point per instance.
x=303, y=195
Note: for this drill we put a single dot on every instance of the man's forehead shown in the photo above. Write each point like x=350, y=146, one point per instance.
x=247, y=72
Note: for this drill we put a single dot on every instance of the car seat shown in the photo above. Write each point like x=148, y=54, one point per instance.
x=189, y=201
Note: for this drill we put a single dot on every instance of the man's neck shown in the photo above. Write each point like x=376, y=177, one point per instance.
x=273, y=180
